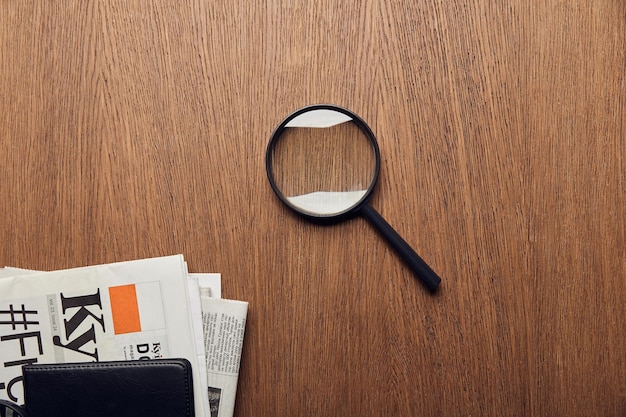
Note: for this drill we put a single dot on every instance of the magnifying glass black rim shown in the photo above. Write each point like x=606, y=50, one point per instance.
x=350, y=211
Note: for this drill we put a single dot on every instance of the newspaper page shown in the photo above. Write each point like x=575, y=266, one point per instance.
x=211, y=284
x=224, y=323
x=8, y=271
x=124, y=311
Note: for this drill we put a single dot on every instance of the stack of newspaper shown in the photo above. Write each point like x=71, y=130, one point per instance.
x=143, y=309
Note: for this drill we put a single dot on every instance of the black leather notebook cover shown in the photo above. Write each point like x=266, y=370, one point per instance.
x=154, y=388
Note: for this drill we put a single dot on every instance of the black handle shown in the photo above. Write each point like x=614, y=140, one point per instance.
x=419, y=267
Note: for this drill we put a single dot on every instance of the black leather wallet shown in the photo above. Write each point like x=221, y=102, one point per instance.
x=154, y=388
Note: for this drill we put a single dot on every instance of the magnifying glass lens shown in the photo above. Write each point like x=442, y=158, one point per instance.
x=322, y=163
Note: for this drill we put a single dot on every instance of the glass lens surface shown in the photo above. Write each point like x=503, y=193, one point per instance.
x=323, y=163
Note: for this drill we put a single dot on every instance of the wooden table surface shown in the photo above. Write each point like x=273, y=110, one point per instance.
x=133, y=129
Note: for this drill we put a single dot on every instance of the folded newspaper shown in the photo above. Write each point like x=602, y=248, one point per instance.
x=134, y=310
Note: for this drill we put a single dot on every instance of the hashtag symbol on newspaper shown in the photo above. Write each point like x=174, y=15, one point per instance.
x=17, y=317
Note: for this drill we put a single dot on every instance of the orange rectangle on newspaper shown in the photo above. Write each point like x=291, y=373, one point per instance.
x=125, y=309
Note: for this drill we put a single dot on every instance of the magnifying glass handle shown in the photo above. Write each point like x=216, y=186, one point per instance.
x=419, y=267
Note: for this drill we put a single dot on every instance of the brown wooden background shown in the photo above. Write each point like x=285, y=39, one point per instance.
x=132, y=129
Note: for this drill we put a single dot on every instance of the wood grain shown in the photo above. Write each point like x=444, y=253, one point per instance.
x=138, y=128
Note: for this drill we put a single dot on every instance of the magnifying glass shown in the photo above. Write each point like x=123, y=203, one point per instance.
x=323, y=162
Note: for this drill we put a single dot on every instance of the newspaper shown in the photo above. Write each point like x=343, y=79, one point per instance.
x=123, y=311
x=224, y=322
